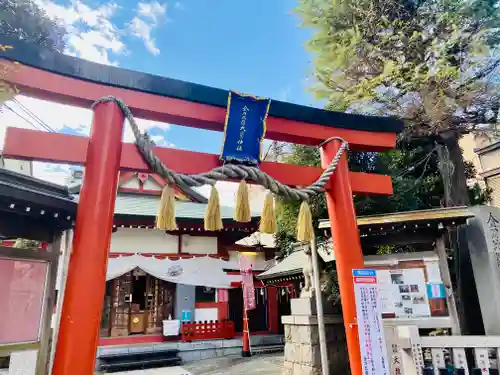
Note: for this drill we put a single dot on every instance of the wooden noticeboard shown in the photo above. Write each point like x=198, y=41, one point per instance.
x=22, y=299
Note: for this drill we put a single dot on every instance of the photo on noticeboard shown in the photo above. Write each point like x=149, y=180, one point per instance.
x=419, y=299
x=404, y=289
x=397, y=279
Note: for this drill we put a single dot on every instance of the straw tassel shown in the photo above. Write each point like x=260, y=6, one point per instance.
x=242, y=211
x=166, y=214
x=213, y=220
x=268, y=218
x=305, y=230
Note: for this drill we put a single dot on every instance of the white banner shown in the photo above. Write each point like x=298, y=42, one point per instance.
x=203, y=271
x=370, y=328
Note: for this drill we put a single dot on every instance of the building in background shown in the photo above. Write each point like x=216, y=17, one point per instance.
x=483, y=150
x=15, y=165
x=188, y=275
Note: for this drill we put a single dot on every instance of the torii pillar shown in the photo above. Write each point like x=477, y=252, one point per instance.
x=346, y=246
x=84, y=293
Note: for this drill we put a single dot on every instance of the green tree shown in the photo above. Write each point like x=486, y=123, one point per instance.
x=417, y=182
x=432, y=63
x=25, y=20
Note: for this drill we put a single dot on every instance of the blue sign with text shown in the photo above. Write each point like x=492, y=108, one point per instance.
x=186, y=316
x=245, y=128
x=363, y=272
x=436, y=291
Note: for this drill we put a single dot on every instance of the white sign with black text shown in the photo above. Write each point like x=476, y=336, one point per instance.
x=370, y=327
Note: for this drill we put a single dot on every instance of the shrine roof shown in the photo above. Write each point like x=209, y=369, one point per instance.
x=139, y=210
x=396, y=226
x=147, y=205
x=291, y=265
x=33, y=209
x=35, y=56
x=448, y=215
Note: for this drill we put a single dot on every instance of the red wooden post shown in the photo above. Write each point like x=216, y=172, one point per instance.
x=272, y=307
x=245, y=352
x=85, y=286
x=347, y=246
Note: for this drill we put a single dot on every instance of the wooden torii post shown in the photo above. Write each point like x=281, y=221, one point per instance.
x=52, y=76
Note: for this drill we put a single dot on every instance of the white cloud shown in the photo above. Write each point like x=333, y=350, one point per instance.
x=92, y=35
x=139, y=28
x=62, y=118
x=55, y=173
x=149, y=16
x=153, y=10
x=178, y=5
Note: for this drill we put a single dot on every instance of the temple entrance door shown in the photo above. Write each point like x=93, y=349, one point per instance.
x=121, y=300
x=159, y=303
x=235, y=297
x=257, y=318
x=284, y=307
x=136, y=303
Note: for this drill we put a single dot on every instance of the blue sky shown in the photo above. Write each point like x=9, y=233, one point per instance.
x=253, y=46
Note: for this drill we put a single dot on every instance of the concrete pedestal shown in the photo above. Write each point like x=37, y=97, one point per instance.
x=302, y=350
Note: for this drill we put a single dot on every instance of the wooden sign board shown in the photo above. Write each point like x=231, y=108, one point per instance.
x=23, y=286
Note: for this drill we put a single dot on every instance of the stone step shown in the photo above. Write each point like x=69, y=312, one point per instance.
x=268, y=349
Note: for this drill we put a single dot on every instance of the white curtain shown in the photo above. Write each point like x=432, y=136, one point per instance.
x=202, y=271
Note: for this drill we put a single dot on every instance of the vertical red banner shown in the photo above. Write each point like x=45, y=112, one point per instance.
x=247, y=280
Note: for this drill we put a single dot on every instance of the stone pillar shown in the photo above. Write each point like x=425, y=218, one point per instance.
x=302, y=350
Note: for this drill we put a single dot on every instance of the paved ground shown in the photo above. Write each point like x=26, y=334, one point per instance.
x=265, y=364
x=270, y=364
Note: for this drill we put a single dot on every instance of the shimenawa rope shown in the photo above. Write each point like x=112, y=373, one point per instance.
x=227, y=171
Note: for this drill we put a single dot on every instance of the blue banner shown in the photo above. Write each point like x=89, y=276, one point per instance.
x=363, y=272
x=245, y=128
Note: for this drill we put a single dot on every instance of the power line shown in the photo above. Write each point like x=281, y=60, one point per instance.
x=34, y=116
x=411, y=167
x=419, y=179
x=21, y=116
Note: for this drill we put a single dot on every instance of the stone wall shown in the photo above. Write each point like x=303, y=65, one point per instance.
x=302, y=350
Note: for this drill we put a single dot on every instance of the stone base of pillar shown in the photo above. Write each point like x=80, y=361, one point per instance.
x=302, y=350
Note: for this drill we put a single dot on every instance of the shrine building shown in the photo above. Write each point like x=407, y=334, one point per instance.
x=189, y=275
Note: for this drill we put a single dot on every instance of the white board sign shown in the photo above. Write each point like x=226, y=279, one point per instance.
x=403, y=293
x=23, y=363
x=370, y=328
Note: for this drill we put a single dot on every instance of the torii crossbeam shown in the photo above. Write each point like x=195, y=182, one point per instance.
x=64, y=79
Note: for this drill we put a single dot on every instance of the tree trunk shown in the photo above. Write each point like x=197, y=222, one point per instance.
x=452, y=169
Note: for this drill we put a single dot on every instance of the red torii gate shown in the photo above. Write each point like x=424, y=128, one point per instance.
x=64, y=79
